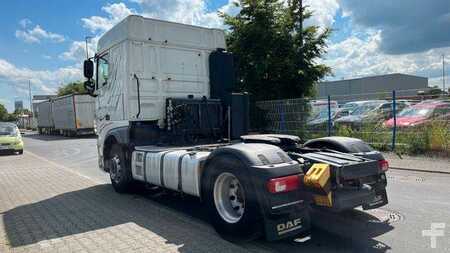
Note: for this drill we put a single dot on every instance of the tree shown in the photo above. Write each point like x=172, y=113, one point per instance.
x=4, y=116
x=22, y=111
x=72, y=88
x=275, y=56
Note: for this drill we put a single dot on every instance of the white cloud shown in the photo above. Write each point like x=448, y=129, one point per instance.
x=407, y=26
x=358, y=56
x=230, y=8
x=44, y=81
x=324, y=12
x=116, y=12
x=183, y=11
x=77, y=50
x=37, y=34
x=193, y=12
x=96, y=25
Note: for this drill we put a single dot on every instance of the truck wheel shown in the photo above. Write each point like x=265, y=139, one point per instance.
x=20, y=152
x=119, y=171
x=231, y=201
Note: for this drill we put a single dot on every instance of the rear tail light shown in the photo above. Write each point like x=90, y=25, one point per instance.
x=384, y=165
x=283, y=184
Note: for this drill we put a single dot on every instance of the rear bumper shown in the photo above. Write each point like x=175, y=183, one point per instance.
x=370, y=197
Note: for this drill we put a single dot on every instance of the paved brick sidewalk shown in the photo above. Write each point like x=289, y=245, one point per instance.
x=44, y=208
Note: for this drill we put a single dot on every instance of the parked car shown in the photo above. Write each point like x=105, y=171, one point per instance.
x=320, y=121
x=347, y=108
x=422, y=113
x=371, y=112
x=320, y=105
x=10, y=138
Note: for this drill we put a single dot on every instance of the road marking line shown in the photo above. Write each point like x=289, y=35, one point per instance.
x=63, y=167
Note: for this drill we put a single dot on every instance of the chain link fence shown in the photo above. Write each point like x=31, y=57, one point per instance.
x=396, y=120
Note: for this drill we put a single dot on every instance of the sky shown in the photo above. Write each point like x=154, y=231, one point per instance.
x=42, y=42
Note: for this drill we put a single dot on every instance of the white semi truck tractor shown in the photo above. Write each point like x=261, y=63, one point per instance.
x=166, y=116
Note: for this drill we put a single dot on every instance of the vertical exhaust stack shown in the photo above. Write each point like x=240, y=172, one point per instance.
x=222, y=79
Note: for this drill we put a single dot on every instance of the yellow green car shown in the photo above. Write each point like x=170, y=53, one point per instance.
x=10, y=138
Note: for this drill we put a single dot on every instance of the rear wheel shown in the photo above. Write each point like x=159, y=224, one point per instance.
x=231, y=200
x=20, y=152
x=119, y=170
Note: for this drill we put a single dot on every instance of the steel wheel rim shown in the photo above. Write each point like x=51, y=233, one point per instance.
x=116, y=169
x=229, y=197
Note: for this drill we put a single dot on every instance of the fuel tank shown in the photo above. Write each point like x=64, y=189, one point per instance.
x=178, y=170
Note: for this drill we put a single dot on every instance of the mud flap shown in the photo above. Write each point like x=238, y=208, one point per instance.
x=294, y=224
x=379, y=200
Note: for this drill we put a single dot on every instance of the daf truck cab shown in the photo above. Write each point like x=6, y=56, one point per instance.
x=166, y=116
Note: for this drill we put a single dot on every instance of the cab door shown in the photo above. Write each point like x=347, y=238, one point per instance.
x=103, y=87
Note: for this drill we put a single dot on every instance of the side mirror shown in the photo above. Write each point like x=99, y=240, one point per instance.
x=88, y=69
x=89, y=86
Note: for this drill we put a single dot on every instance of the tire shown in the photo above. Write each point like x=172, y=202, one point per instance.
x=119, y=171
x=236, y=222
x=20, y=152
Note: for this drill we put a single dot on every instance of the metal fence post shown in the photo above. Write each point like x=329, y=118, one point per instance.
x=282, y=119
x=329, y=115
x=394, y=113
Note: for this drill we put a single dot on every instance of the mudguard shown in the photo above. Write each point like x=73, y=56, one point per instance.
x=346, y=145
x=342, y=144
x=285, y=214
x=121, y=136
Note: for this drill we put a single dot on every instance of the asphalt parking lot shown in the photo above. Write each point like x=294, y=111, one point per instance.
x=54, y=199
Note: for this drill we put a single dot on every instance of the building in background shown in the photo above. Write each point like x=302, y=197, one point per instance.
x=373, y=87
x=18, y=105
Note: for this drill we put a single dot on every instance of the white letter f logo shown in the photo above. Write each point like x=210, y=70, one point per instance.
x=437, y=230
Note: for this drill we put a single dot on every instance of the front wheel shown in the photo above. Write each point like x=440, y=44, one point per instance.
x=119, y=170
x=231, y=201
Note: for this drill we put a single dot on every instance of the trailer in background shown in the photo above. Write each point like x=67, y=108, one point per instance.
x=74, y=114
x=45, y=123
x=26, y=121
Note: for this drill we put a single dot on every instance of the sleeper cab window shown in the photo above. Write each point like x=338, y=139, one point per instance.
x=102, y=70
